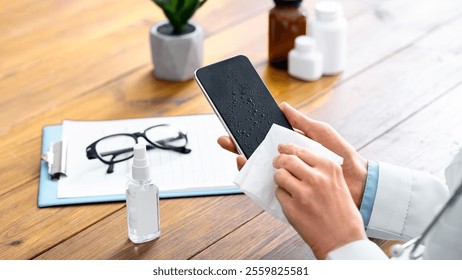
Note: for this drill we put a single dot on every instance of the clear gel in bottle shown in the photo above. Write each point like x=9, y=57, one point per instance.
x=142, y=200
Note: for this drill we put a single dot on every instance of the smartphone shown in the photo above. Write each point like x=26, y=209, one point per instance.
x=241, y=101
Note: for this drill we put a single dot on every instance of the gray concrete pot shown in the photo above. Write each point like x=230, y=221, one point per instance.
x=176, y=57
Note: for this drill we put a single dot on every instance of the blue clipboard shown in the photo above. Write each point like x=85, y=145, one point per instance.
x=48, y=188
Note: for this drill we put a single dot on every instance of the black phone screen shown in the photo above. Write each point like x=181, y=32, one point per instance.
x=241, y=100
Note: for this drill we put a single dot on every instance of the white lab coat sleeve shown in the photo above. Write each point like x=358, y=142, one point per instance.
x=357, y=250
x=453, y=172
x=405, y=202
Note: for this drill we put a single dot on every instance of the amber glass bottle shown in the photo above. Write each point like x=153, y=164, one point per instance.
x=287, y=20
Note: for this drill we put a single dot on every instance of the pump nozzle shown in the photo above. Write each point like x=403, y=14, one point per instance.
x=140, y=167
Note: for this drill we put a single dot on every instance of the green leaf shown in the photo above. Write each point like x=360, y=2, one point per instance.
x=178, y=12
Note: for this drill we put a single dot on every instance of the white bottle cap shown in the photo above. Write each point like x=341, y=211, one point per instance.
x=305, y=43
x=328, y=10
x=140, y=167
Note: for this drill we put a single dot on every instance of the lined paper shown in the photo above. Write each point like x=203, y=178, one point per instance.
x=207, y=167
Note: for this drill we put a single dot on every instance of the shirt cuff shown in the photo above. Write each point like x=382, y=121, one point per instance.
x=405, y=203
x=370, y=191
x=357, y=250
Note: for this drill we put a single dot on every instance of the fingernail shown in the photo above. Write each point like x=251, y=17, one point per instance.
x=281, y=147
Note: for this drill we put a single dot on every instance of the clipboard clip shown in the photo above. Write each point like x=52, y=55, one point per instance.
x=56, y=159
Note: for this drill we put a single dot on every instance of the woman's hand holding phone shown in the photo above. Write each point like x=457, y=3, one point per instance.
x=226, y=143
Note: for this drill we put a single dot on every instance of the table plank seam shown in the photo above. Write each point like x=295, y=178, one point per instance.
x=224, y=236
x=412, y=114
x=77, y=232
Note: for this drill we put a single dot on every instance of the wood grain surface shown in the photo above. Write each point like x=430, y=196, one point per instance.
x=398, y=101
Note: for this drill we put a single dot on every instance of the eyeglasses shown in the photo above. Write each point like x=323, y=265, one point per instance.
x=119, y=147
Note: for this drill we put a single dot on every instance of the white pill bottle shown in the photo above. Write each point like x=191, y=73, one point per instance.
x=330, y=31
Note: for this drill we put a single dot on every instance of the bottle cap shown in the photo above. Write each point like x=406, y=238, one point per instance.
x=305, y=43
x=140, y=167
x=328, y=10
x=287, y=2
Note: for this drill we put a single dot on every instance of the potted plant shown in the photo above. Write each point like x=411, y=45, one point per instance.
x=177, y=45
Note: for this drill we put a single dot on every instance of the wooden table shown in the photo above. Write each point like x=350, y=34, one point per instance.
x=399, y=101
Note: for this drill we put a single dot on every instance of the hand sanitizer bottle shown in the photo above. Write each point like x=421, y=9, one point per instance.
x=142, y=200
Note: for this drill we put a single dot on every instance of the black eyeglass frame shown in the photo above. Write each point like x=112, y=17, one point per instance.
x=93, y=154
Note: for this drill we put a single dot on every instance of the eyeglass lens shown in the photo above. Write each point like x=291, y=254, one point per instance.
x=166, y=136
x=115, y=148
